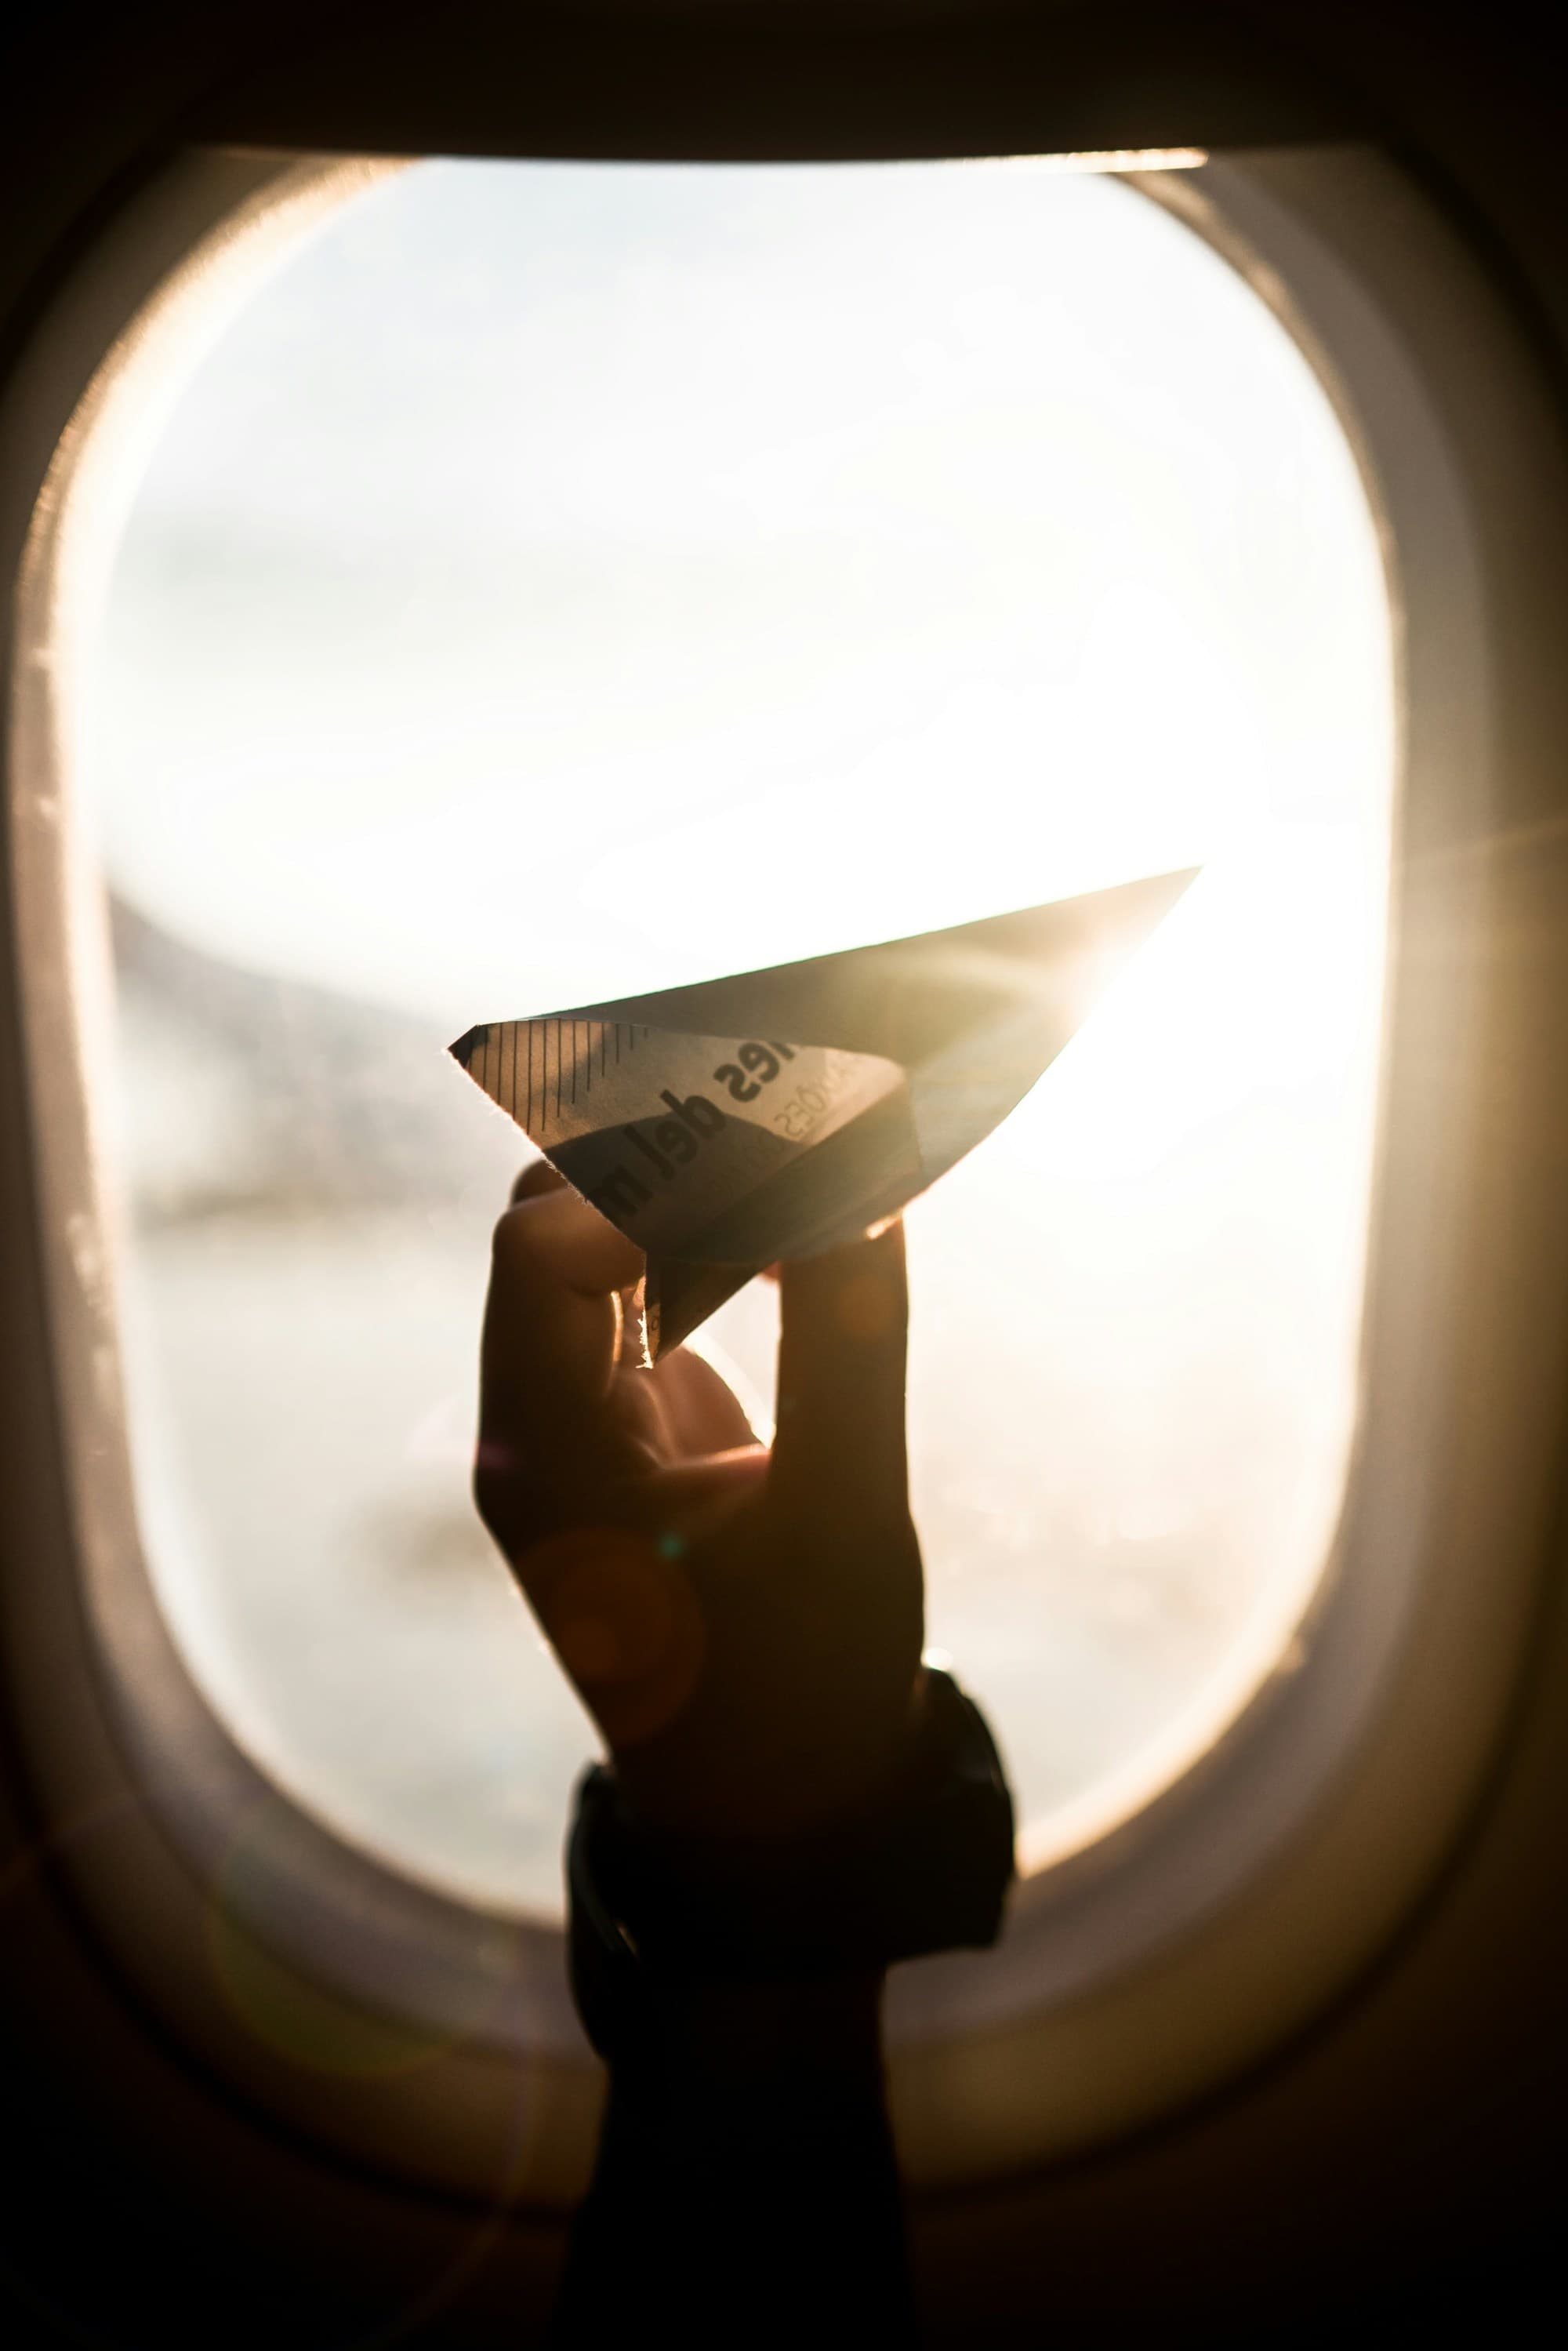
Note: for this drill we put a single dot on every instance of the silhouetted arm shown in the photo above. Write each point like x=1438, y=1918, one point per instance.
x=746, y=1626
x=746, y=2189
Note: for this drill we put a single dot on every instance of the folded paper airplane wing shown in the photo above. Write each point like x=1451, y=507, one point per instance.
x=781, y=1113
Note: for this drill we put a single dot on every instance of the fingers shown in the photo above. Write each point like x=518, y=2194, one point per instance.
x=841, y=1360
x=701, y=1410
x=538, y=1176
x=552, y=1326
x=551, y=1321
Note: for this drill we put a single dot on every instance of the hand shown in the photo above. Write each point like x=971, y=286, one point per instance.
x=745, y=1625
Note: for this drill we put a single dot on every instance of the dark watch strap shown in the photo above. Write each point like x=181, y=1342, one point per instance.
x=930, y=1873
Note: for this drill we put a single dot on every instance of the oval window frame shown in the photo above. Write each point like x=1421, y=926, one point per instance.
x=1178, y=1950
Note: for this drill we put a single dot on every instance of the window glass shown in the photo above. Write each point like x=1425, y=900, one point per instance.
x=567, y=580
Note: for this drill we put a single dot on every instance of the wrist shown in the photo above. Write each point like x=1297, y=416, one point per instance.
x=737, y=1965
x=722, y=2063
x=749, y=2033
x=925, y=1872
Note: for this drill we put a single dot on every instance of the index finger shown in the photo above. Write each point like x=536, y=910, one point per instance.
x=552, y=1326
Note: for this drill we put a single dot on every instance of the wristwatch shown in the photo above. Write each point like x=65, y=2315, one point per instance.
x=929, y=1873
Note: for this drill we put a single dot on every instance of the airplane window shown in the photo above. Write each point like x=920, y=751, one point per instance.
x=564, y=579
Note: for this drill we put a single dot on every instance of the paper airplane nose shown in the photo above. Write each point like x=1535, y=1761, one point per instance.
x=776, y=1114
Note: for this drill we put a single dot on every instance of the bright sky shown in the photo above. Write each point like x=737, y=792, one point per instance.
x=562, y=579
x=567, y=580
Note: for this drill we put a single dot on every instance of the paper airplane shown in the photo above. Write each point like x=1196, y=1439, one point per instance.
x=779, y=1112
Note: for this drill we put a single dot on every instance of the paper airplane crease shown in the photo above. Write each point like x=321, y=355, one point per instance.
x=776, y=1113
